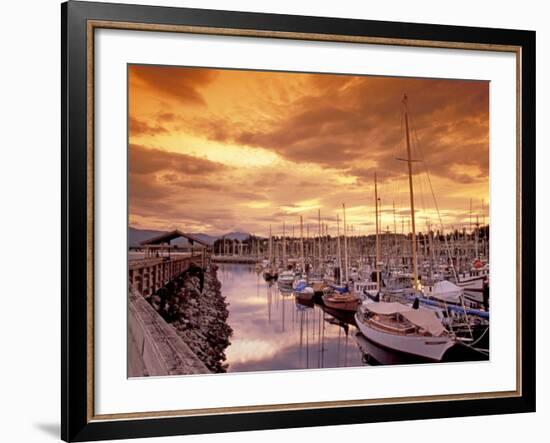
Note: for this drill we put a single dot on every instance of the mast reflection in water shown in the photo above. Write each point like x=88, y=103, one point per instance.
x=272, y=331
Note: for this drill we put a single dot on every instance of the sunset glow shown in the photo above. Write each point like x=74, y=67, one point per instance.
x=219, y=150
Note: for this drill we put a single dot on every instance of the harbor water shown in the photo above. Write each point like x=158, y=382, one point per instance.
x=272, y=331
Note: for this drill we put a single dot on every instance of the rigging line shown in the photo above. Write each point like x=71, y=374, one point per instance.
x=478, y=339
x=441, y=224
x=419, y=180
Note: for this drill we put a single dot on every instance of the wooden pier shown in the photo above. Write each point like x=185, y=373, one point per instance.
x=150, y=274
x=154, y=347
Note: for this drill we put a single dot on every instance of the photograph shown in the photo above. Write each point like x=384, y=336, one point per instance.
x=303, y=220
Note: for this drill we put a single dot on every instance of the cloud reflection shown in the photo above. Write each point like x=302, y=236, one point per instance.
x=270, y=332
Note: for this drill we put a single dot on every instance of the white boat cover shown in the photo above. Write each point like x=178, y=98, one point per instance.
x=386, y=308
x=425, y=319
x=446, y=291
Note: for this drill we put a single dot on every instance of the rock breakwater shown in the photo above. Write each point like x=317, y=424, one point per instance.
x=194, y=305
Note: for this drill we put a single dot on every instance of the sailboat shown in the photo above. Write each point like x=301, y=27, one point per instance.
x=286, y=278
x=404, y=329
x=270, y=273
x=408, y=329
x=341, y=299
x=340, y=296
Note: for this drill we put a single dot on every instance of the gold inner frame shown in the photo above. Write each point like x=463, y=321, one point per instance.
x=97, y=24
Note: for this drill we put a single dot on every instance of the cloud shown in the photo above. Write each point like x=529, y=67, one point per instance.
x=176, y=83
x=326, y=136
x=143, y=160
x=138, y=127
x=353, y=120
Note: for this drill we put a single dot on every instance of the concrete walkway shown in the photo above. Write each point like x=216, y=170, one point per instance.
x=154, y=347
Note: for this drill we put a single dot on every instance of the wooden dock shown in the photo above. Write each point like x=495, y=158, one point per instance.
x=154, y=347
x=150, y=274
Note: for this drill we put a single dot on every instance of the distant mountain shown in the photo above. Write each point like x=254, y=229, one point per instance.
x=136, y=236
x=205, y=238
x=235, y=236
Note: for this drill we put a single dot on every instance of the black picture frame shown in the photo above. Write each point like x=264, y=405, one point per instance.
x=76, y=422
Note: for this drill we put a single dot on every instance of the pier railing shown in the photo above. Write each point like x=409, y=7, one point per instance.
x=149, y=275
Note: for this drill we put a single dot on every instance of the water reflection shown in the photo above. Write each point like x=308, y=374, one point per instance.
x=273, y=331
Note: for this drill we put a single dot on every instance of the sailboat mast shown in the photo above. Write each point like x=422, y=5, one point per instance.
x=394, y=228
x=409, y=163
x=270, y=247
x=302, y=244
x=345, y=245
x=339, y=249
x=377, y=264
x=284, y=245
x=320, y=241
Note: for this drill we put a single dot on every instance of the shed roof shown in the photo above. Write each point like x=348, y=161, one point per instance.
x=169, y=236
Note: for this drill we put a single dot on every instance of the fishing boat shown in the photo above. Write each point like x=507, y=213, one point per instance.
x=404, y=329
x=473, y=279
x=365, y=287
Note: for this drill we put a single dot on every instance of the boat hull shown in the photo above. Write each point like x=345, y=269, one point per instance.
x=305, y=296
x=429, y=348
x=270, y=277
x=342, y=305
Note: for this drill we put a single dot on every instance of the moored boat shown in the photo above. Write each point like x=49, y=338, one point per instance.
x=342, y=300
x=404, y=329
x=286, y=278
x=270, y=275
x=444, y=291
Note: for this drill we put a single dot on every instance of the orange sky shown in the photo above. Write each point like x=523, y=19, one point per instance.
x=214, y=150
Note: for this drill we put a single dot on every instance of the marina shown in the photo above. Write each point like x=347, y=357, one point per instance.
x=384, y=263
x=327, y=286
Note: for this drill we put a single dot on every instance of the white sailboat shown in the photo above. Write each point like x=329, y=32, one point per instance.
x=286, y=278
x=413, y=329
x=404, y=329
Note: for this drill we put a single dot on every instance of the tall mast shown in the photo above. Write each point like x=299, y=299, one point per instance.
x=476, y=237
x=319, y=232
x=339, y=249
x=302, y=244
x=377, y=234
x=308, y=249
x=294, y=247
x=409, y=163
x=470, y=227
x=284, y=245
x=345, y=245
x=270, y=247
x=394, y=229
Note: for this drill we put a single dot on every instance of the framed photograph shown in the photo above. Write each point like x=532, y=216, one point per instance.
x=277, y=221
